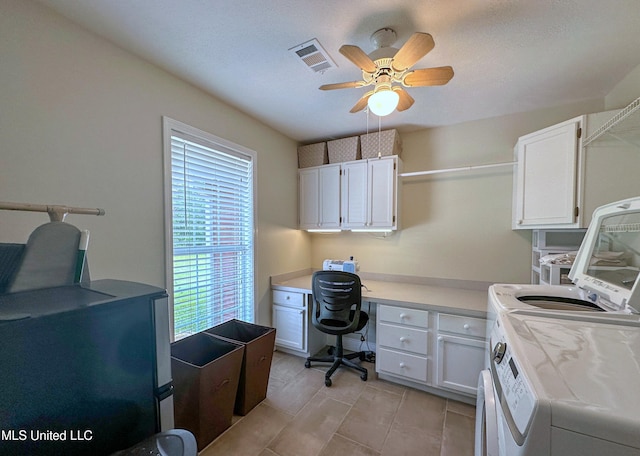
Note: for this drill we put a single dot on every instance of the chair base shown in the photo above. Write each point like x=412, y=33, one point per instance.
x=339, y=359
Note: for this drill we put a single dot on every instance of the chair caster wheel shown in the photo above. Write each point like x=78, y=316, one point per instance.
x=362, y=356
x=327, y=382
x=363, y=377
x=307, y=364
x=330, y=351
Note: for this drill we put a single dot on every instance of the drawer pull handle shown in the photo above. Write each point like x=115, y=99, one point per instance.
x=403, y=339
x=288, y=297
x=401, y=365
x=466, y=326
x=403, y=316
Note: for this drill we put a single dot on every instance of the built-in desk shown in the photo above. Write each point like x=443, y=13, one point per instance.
x=428, y=333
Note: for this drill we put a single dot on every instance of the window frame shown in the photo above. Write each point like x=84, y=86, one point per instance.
x=169, y=128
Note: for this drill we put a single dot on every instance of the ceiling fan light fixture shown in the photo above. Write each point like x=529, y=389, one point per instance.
x=383, y=102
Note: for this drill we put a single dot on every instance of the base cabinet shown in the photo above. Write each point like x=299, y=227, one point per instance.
x=402, y=342
x=290, y=327
x=437, y=352
x=459, y=362
x=291, y=316
x=461, y=352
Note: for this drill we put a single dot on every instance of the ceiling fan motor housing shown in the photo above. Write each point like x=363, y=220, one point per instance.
x=384, y=37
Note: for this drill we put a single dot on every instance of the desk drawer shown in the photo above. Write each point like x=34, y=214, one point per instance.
x=402, y=364
x=465, y=326
x=288, y=298
x=403, y=338
x=404, y=316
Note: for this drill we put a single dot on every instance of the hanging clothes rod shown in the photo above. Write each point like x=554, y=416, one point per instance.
x=56, y=213
x=455, y=170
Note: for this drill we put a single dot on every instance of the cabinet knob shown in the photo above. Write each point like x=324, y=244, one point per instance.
x=519, y=222
x=440, y=338
x=401, y=365
x=403, y=339
x=466, y=326
x=403, y=316
x=288, y=297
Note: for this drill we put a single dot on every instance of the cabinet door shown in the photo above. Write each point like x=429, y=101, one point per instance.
x=309, y=198
x=329, y=193
x=290, y=324
x=459, y=362
x=546, y=178
x=354, y=194
x=382, y=192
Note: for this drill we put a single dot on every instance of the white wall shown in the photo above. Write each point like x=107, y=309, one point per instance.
x=80, y=125
x=455, y=226
x=625, y=91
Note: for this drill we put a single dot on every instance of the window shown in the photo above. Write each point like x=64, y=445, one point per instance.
x=209, y=210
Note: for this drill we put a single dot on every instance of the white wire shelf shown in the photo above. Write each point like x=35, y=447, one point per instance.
x=620, y=125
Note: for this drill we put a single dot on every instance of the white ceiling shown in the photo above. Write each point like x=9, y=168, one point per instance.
x=508, y=55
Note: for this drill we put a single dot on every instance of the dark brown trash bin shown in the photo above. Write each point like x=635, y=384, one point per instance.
x=259, y=343
x=205, y=371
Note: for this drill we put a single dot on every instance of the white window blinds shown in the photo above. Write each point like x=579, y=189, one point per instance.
x=212, y=232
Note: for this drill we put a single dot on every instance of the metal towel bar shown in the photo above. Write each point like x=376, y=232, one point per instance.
x=56, y=213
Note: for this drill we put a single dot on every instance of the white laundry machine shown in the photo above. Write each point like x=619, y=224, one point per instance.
x=605, y=273
x=560, y=387
x=548, y=386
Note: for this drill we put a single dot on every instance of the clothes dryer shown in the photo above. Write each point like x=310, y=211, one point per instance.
x=560, y=387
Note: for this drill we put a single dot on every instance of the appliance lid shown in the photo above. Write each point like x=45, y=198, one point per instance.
x=608, y=263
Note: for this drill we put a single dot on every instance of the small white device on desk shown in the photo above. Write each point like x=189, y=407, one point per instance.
x=341, y=265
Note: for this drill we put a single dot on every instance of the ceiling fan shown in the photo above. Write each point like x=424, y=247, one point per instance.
x=386, y=66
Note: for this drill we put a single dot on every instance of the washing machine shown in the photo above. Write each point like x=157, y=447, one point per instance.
x=559, y=387
x=604, y=274
x=546, y=370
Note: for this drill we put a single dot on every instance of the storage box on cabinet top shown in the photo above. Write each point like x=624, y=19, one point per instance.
x=344, y=150
x=380, y=143
x=312, y=155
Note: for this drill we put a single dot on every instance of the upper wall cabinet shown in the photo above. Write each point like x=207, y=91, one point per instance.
x=355, y=195
x=558, y=183
x=370, y=194
x=546, y=176
x=319, y=193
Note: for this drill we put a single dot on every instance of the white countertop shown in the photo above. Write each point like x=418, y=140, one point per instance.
x=418, y=295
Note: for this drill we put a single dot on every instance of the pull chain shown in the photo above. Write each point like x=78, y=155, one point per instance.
x=379, y=147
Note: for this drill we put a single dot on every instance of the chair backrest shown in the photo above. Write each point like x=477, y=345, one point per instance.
x=49, y=258
x=336, y=301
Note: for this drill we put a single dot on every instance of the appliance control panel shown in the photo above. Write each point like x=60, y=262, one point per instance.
x=511, y=385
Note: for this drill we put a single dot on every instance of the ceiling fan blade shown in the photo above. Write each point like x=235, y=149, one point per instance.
x=358, y=57
x=428, y=77
x=405, y=101
x=341, y=85
x=362, y=102
x=413, y=50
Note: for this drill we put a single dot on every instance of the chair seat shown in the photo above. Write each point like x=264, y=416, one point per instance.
x=340, y=324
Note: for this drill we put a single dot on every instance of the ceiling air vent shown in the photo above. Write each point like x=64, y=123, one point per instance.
x=313, y=56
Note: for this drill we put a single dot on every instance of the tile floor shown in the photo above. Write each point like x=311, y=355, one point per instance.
x=302, y=417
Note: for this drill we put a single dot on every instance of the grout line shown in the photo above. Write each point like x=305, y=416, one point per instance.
x=395, y=415
x=444, y=425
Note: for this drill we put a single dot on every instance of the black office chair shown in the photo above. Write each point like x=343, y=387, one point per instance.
x=336, y=310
